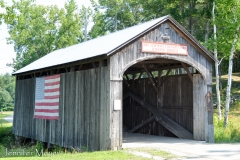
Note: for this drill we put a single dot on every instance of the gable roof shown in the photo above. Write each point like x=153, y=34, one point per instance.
x=105, y=45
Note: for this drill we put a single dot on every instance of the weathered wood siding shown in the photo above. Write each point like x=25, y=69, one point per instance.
x=131, y=54
x=84, y=111
x=199, y=90
x=177, y=104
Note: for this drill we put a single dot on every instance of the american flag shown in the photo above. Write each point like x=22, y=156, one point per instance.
x=47, y=97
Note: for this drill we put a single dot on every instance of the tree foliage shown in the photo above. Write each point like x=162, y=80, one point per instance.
x=227, y=20
x=7, y=91
x=112, y=15
x=1, y=14
x=116, y=15
x=36, y=30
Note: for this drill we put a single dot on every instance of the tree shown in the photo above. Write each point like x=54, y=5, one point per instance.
x=114, y=15
x=37, y=30
x=86, y=13
x=7, y=91
x=5, y=99
x=216, y=66
x=1, y=14
x=228, y=18
x=192, y=14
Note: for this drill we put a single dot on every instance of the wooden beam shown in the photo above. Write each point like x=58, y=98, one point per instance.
x=151, y=80
x=126, y=76
x=128, y=85
x=159, y=75
x=72, y=68
x=142, y=124
x=84, y=61
x=159, y=61
x=126, y=96
x=186, y=69
x=80, y=66
x=160, y=97
x=164, y=120
x=93, y=64
x=166, y=76
x=66, y=69
x=125, y=128
x=155, y=80
x=100, y=63
x=154, y=69
x=140, y=75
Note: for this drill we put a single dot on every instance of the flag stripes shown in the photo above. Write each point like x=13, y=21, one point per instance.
x=47, y=95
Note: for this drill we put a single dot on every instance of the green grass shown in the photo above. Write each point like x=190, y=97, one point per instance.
x=118, y=155
x=231, y=134
x=28, y=151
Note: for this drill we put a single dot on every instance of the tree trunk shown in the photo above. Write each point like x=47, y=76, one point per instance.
x=230, y=77
x=85, y=26
x=207, y=32
x=216, y=67
x=190, y=19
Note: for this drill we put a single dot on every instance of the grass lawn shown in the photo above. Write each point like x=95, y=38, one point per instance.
x=29, y=152
x=118, y=155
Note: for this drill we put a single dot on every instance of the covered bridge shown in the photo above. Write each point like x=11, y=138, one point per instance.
x=152, y=78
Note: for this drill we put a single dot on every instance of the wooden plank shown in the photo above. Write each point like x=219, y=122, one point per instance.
x=165, y=77
x=128, y=85
x=172, y=126
x=151, y=80
x=81, y=97
x=209, y=126
x=63, y=98
x=186, y=69
x=199, y=90
x=154, y=68
x=142, y=124
x=126, y=96
x=102, y=134
x=116, y=116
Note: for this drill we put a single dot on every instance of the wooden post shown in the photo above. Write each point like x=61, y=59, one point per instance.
x=209, y=128
x=199, y=91
x=72, y=68
x=116, y=115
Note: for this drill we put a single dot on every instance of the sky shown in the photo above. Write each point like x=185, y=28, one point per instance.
x=7, y=50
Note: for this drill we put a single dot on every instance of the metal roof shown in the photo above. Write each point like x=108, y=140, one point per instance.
x=104, y=45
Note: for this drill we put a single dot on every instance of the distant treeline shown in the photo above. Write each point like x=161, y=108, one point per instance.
x=7, y=91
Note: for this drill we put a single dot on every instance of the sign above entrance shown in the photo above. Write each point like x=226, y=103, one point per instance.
x=168, y=48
